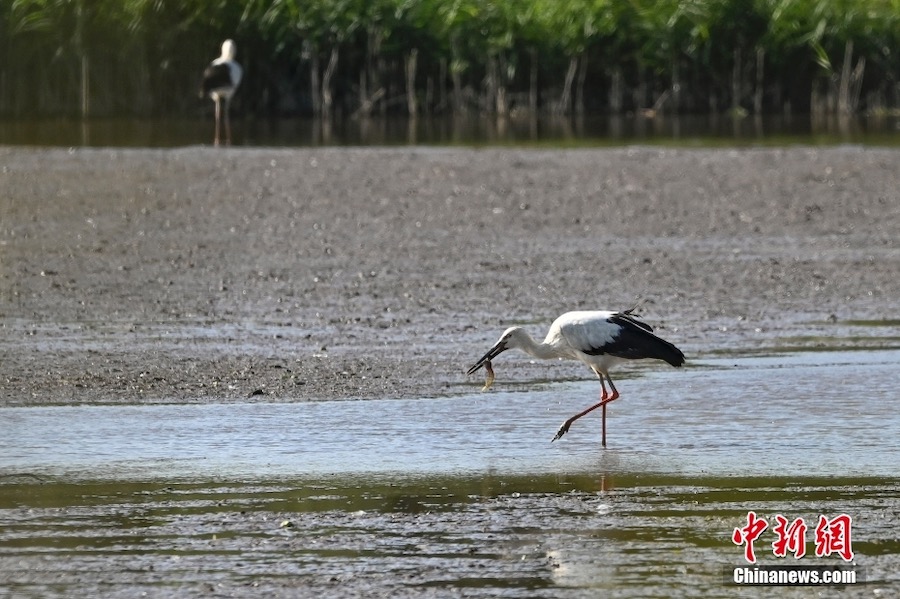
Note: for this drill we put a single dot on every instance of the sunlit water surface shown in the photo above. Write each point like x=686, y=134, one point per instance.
x=461, y=496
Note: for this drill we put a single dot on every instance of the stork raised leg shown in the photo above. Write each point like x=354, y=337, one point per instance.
x=605, y=398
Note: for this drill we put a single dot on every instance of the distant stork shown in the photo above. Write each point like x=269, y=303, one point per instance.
x=220, y=80
x=600, y=339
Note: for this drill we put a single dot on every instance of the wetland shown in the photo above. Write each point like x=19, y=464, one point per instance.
x=242, y=372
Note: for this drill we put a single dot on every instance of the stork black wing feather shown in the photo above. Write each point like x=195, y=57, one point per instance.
x=620, y=318
x=636, y=341
x=214, y=77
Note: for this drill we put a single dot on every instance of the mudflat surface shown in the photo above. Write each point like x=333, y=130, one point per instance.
x=198, y=275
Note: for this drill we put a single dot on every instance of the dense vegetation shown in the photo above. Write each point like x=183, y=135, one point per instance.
x=351, y=57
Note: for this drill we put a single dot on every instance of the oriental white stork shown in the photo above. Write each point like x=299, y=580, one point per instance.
x=600, y=339
x=220, y=80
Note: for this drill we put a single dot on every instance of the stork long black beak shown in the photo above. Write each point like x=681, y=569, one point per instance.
x=492, y=353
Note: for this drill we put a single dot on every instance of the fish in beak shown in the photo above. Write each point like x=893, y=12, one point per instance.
x=486, y=362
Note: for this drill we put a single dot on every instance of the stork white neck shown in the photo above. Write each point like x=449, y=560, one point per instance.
x=229, y=50
x=519, y=338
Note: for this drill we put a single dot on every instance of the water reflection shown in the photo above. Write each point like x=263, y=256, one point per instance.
x=464, y=130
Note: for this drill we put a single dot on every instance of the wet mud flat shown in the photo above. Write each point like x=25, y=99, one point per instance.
x=490, y=536
x=196, y=275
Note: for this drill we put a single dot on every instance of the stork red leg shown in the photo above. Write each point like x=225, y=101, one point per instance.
x=603, y=401
x=218, y=120
x=605, y=398
x=228, y=121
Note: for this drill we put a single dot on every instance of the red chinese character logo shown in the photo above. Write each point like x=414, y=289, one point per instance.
x=790, y=537
x=833, y=536
x=748, y=534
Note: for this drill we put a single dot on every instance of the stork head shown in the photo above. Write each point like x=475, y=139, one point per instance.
x=229, y=50
x=508, y=340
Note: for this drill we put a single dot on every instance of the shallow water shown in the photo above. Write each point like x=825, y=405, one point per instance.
x=462, y=496
x=552, y=131
x=809, y=413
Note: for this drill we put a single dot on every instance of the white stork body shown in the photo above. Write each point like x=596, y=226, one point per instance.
x=600, y=339
x=220, y=80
